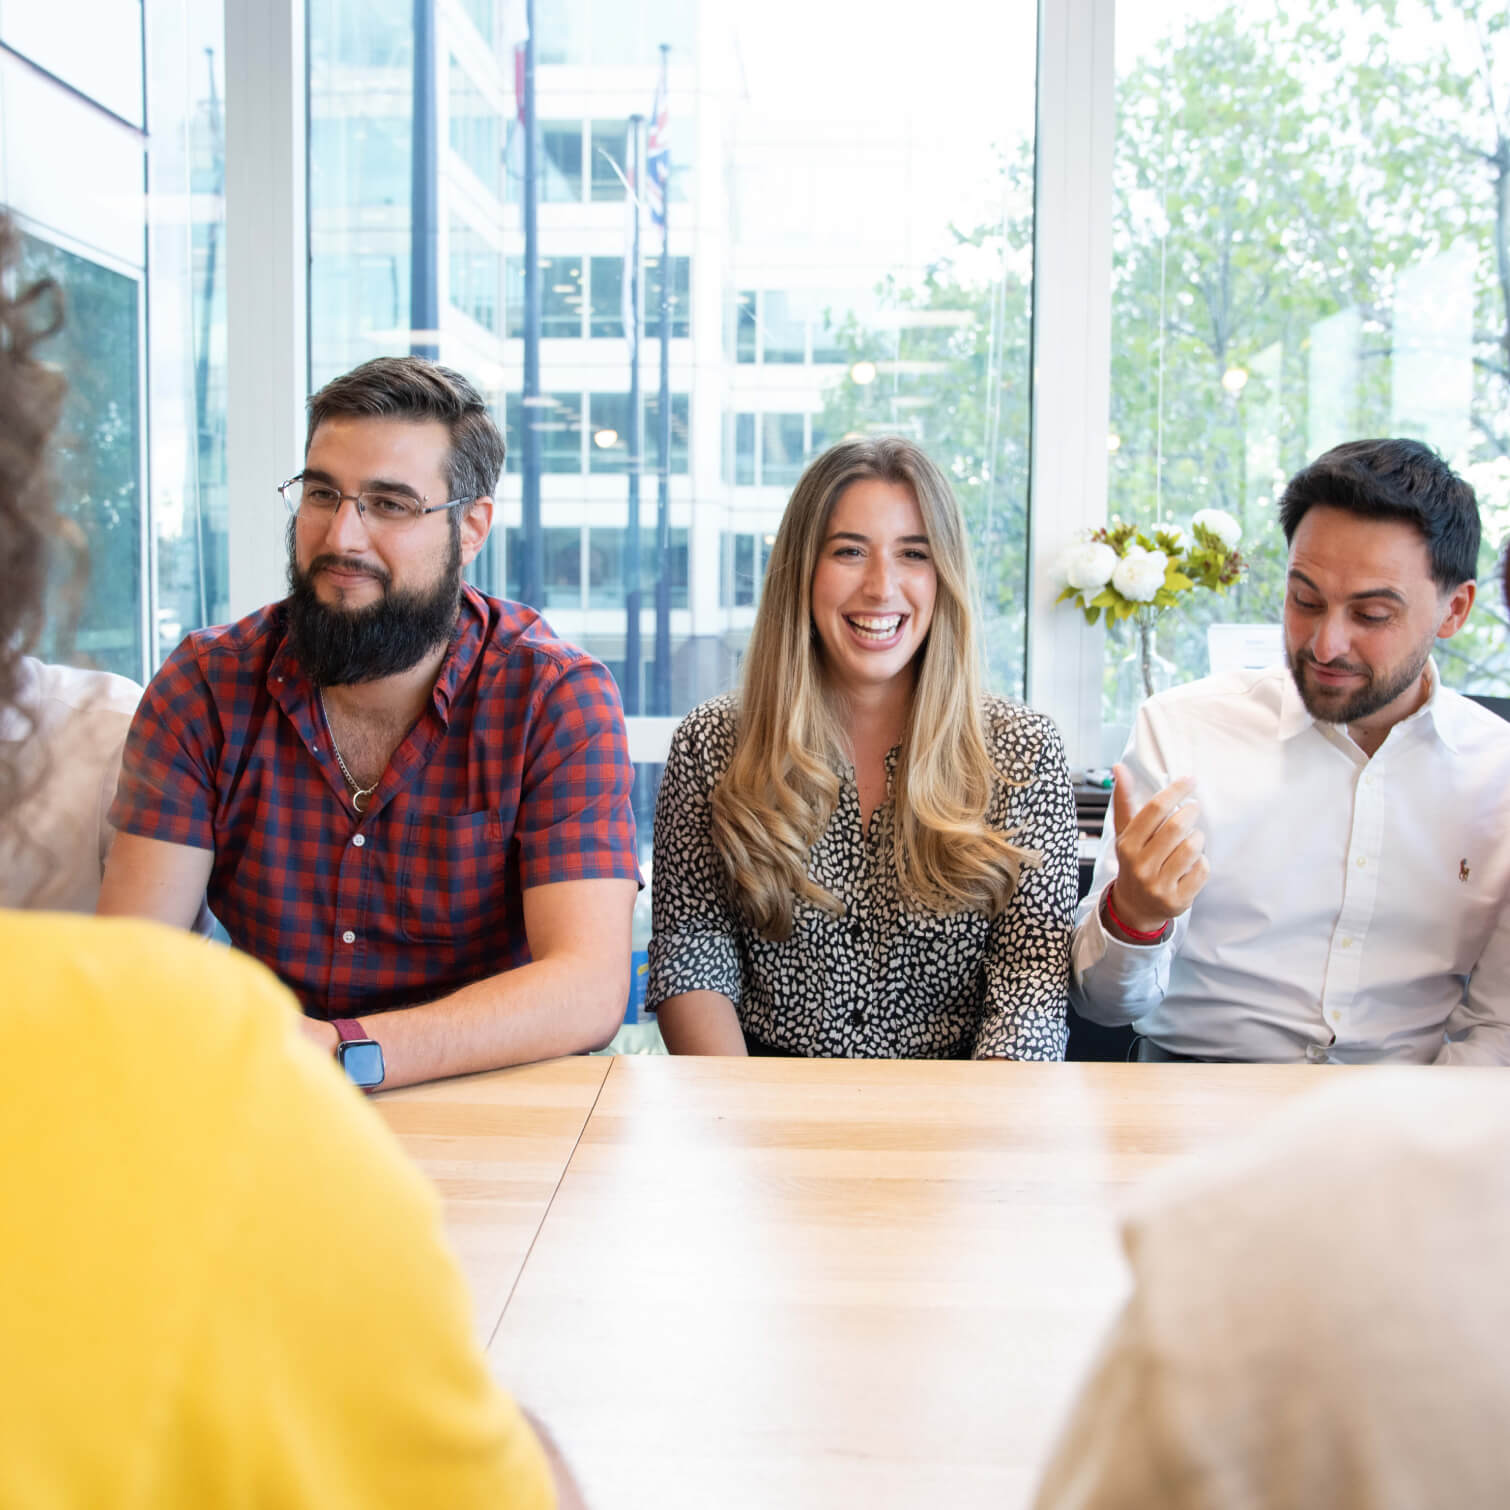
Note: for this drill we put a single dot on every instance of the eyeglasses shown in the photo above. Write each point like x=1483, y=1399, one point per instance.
x=308, y=499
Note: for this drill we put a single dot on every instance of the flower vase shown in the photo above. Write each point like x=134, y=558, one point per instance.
x=1143, y=671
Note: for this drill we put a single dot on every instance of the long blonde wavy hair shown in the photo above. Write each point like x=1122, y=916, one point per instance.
x=780, y=788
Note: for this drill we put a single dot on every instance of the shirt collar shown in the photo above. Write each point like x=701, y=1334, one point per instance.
x=466, y=646
x=1447, y=713
x=1444, y=713
x=1293, y=717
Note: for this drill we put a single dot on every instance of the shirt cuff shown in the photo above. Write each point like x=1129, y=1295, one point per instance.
x=692, y=962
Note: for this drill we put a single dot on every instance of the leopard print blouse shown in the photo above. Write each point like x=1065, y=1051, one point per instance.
x=882, y=979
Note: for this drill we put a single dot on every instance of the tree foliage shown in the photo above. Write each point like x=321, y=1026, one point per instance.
x=1286, y=187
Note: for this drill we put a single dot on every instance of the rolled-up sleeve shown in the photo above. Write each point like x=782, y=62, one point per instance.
x=1028, y=951
x=168, y=767
x=694, y=940
x=576, y=813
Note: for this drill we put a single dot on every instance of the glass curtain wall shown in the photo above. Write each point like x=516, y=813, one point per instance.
x=1309, y=245
x=119, y=197
x=836, y=264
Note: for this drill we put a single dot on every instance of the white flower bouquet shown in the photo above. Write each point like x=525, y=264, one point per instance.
x=1128, y=572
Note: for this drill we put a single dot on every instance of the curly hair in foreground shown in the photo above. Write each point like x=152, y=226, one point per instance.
x=31, y=396
x=779, y=791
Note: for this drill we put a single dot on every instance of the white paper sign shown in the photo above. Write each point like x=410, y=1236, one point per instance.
x=1244, y=647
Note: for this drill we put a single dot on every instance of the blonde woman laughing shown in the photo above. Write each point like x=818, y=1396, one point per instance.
x=861, y=855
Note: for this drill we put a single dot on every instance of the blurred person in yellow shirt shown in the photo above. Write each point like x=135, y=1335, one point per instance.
x=221, y=1281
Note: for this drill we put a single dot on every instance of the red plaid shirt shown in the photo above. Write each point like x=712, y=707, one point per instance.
x=517, y=774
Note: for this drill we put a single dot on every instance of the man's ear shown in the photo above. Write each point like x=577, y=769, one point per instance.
x=1455, y=610
x=476, y=522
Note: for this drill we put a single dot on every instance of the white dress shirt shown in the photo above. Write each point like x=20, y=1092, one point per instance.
x=1358, y=909
x=66, y=752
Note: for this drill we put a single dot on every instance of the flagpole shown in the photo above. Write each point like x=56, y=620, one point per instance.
x=532, y=564
x=662, y=700
x=629, y=687
x=202, y=358
x=424, y=192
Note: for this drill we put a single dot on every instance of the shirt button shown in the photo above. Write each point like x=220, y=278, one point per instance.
x=359, y=840
x=1345, y=944
x=348, y=937
x=857, y=1018
x=1315, y=1053
x=1360, y=862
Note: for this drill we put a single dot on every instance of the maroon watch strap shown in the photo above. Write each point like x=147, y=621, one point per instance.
x=349, y=1030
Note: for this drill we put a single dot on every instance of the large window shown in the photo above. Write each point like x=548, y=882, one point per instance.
x=869, y=272
x=476, y=274
x=476, y=127
x=742, y=559
x=746, y=303
x=607, y=308
x=787, y=442
x=679, y=300
x=614, y=33
x=783, y=332
x=99, y=455
x=563, y=567
x=557, y=417
x=608, y=572
x=608, y=429
x=610, y=163
x=1298, y=260
x=114, y=96
x=782, y=450
x=744, y=448
x=1308, y=243
x=606, y=312
x=561, y=181
x=561, y=299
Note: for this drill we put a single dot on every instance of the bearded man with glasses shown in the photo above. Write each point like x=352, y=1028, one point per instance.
x=408, y=799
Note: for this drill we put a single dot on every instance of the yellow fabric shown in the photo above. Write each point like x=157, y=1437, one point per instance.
x=221, y=1283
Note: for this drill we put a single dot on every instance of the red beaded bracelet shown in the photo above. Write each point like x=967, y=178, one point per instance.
x=1137, y=935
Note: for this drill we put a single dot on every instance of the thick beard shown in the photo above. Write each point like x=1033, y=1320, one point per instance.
x=1366, y=700
x=339, y=646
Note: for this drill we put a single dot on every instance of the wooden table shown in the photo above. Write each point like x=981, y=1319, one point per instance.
x=801, y=1283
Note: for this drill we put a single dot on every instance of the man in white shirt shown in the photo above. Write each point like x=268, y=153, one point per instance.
x=64, y=740
x=1314, y=863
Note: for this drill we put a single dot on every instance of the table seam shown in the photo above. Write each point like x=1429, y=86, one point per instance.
x=545, y=1215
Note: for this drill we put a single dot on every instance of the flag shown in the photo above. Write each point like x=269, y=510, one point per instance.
x=514, y=35
x=631, y=176
x=658, y=154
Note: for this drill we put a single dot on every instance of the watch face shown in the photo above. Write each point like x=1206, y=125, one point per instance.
x=363, y=1061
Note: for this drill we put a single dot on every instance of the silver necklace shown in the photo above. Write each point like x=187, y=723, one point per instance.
x=359, y=794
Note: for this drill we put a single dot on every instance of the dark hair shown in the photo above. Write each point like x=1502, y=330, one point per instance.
x=31, y=396
x=412, y=388
x=1394, y=479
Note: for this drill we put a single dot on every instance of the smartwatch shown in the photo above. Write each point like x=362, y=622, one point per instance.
x=360, y=1056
